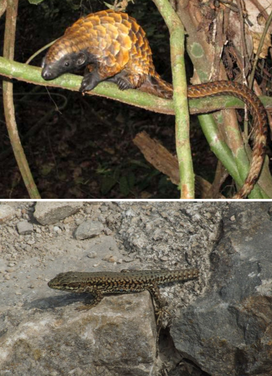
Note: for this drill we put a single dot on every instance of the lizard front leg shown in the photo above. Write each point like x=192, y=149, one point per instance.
x=97, y=297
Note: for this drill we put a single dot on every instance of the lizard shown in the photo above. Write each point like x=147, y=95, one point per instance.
x=125, y=282
x=112, y=46
x=100, y=284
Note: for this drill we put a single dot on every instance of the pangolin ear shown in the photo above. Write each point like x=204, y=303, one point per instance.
x=81, y=59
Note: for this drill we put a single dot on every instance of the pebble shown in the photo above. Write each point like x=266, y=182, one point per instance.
x=24, y=227
x=88, y=229
x=6, y=213
x=92, y=254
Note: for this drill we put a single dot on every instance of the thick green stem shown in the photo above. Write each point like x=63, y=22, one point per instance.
x=183, y=147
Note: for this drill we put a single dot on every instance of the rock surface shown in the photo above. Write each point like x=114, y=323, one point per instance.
x=218, y=325
x=228, y=330
x=112, y=339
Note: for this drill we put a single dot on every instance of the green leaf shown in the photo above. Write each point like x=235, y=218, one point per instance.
x=131, y=180
x=35, y=2
x=47, y=168
x=108, y=183
x=124, y=186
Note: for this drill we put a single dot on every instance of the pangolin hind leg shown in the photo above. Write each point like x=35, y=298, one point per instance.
x=122, y=81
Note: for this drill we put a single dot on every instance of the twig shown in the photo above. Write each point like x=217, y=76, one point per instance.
x=159, y=157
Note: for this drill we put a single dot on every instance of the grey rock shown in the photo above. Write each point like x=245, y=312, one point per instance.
x=116, y=337
x=220, y=323
x=52, y=212
x=228, y=331
x=88, y=229
x=24, y=227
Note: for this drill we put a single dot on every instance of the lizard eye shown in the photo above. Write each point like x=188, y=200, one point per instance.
x=66, y=63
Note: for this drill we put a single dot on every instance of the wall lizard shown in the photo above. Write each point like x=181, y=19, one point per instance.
x=125, y=282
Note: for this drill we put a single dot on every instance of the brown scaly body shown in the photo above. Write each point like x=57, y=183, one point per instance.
x=113, y=47
x=125, y=282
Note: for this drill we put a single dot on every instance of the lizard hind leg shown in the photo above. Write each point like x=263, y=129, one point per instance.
x=160, y=310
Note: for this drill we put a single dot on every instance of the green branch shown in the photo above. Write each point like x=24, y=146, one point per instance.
x=137, y=98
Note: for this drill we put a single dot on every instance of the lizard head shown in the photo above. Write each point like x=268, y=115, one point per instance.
x=63, y=281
